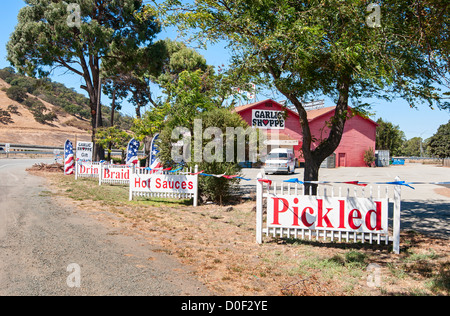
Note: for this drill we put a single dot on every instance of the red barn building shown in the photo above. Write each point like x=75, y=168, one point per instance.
x=359, y=132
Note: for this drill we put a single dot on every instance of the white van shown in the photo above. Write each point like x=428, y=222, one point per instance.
x=280, y=160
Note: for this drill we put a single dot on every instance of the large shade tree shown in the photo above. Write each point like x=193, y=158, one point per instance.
x=346, y=50
x=78, y=37
x=439, y=143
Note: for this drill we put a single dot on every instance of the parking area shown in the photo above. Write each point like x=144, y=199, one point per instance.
x=426, y=208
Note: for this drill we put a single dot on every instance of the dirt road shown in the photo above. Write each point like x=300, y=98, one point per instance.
x=40, y=240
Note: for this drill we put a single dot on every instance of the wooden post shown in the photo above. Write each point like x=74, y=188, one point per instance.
x=195, y=203
x=259, y=208
x=396, y=217
x=100, y=174
x=132, y=179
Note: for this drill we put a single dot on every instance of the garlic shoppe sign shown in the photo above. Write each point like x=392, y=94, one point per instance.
x=268, y=119
x=345, y=214
x=84, y=151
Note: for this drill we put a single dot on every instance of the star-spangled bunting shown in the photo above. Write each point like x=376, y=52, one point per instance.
x=68, y=158
x=134, y=145
x=132, y=150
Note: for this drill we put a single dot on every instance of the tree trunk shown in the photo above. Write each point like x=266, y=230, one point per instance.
x=311, y=174
x=314, y=158
x=148, y=143
x=113, y=108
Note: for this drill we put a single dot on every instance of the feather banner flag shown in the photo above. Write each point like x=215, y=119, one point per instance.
x=68, y=158
x=132, y=150
x=155, y=163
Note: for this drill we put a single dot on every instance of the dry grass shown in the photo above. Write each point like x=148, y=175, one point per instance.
x=220, y=245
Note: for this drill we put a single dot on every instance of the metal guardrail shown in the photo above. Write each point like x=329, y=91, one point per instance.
x=43, y=150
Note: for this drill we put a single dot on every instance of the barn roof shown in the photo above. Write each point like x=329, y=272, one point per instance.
x=312, y=114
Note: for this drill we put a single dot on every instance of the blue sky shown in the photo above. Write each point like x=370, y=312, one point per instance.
x=421, y=122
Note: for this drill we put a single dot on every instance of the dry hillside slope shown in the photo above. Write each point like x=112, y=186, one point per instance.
x=24, y=129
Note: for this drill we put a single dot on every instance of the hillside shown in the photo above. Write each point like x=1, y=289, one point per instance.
x=22, y=128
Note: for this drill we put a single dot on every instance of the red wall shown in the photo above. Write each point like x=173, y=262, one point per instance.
x=359, y=134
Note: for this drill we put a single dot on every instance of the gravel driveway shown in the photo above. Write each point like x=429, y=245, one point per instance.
x=39, y=240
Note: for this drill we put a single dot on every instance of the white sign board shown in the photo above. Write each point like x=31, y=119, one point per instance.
x=162, y=183
x=268, y=119
x=88, y=169
x=352, y=214
x=84, y=151
x=115, y=174
x=7, y=147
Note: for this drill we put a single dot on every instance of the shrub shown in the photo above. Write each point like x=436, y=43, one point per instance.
x=13, y=109
x=16, y=93
x=38, y=109
x=369, y=157
x=5, y=117
x=44, y=118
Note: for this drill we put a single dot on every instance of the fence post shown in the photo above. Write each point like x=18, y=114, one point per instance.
x=259, y=208
x=196, y=187
x=100, y=174
x=396, y=217
x=76, y=169
x=132, y=176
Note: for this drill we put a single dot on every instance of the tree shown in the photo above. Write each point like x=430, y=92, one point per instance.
x=216, y=189
x=107, y=136
x=16, y=93
x=310, y=48
x=189, y=86
x=413, y=147
x=439, y=143
x=389, y=137
x=46, y=38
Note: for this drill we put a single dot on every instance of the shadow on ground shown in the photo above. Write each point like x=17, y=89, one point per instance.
x=429, y=217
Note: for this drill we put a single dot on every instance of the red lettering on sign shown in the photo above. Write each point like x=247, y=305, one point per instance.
x=276, y=210
x=351, y=217
x=377, y=213
x=341, y=214
x=320, y=215
x=304, y=220
x=295, y=208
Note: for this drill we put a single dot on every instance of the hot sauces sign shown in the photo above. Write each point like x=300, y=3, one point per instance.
x=163, y=183
x=267, y=119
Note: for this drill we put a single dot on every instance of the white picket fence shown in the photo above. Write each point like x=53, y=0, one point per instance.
x=293, y=214
x=164, y=184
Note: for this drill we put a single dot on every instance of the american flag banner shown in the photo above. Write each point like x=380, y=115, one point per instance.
x=154, y=161
x=132, y=149
x=68, y=158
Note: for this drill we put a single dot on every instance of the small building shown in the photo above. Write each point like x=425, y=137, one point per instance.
x=269, y=115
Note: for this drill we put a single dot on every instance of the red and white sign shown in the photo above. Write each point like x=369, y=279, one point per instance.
x=111, y=173
x=353, y=214
x=161, y=183
x=87, y=169
x=165, y=185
